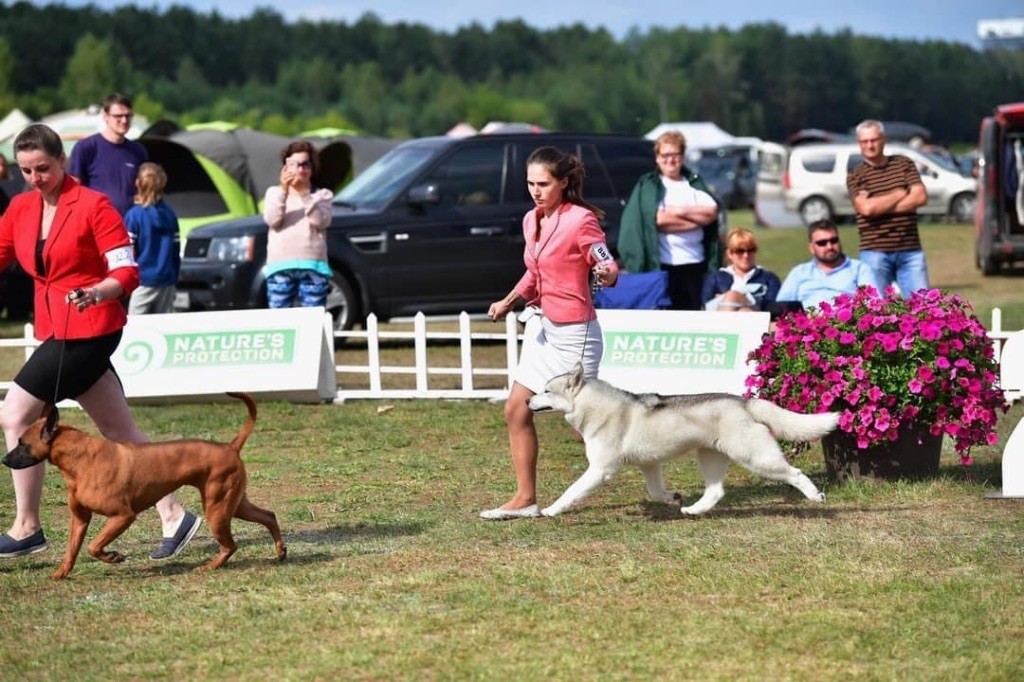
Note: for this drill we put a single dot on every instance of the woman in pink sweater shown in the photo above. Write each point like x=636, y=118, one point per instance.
x=565, y=247
x=298, y=216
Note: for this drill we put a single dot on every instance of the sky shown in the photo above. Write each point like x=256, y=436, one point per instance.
x=947, y=20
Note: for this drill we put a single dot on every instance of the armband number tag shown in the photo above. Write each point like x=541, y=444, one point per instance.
x=121, y=257
x=600, y=252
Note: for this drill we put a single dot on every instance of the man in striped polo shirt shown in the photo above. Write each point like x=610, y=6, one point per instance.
x=886, y=192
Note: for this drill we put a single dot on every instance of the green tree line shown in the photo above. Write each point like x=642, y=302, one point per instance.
x=403, y=79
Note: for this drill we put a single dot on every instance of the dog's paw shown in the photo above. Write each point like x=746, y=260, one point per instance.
x=550, y=511
x=820, y=497
x=692, y=510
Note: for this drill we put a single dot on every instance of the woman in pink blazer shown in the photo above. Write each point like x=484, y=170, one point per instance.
x=71, y=241
x=565, y=247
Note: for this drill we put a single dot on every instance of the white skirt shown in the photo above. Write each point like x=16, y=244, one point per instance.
x=551, y=349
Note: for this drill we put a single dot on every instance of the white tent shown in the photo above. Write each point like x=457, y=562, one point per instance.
x=461, y=130
x=698, y=134
x=74, y=124
x=13, y=123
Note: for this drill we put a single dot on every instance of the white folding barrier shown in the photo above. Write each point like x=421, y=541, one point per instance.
x=1011, y=379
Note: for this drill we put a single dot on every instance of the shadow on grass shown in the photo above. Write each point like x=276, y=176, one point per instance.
x=345, y=533
x=655, y=511
x=255, y=552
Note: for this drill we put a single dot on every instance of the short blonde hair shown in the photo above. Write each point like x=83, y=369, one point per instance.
x=150, y=184
x=671, y=137
x=740, y=238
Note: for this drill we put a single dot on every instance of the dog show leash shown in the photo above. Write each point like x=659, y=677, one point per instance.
x=73, y=296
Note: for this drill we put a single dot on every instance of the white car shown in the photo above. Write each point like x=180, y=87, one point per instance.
x=813, y=181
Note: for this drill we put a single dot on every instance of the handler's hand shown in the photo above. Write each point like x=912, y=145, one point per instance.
x=498, y=311
x=604, y=275
x=83, y=298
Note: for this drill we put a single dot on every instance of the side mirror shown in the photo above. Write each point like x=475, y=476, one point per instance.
x=420, y=195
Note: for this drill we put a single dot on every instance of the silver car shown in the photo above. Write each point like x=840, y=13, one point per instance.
x=814, y=182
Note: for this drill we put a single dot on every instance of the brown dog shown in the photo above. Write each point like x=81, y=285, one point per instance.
x=119, y=480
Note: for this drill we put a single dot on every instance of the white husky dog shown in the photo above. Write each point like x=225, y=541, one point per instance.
x=619, y=427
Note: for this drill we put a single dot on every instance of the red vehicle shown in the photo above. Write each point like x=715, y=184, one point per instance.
x=999, y=209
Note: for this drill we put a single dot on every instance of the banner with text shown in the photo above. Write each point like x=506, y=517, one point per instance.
x=674, y=352
x=285, y=353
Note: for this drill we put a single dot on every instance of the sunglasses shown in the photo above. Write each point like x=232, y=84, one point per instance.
x=827, y=242
x=741, y=252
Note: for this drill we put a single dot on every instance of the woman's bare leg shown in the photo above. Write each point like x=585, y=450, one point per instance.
x=19, y=411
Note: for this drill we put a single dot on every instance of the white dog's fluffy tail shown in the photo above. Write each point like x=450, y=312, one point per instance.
x=789, y=425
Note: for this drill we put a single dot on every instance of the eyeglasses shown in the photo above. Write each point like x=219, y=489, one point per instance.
x=126, y=117
x=670, y=157
x=741, y=252
x=304, y=164
x=827, y=242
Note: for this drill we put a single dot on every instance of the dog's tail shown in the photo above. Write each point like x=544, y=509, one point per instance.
x=789, y=425
x=249, y=424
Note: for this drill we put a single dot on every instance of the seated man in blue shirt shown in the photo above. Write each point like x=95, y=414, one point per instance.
x=829, y=273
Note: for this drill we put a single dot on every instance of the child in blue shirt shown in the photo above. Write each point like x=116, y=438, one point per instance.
x=153, y=228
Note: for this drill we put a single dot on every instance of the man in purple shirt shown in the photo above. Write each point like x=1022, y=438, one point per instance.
x=108, y=161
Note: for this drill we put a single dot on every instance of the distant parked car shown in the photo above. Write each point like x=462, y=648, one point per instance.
x=16, y=287
x=435, y=226
x=968, y=163
x=814, y=182
x=730, y=174
x=999, y=219
x=16, y=291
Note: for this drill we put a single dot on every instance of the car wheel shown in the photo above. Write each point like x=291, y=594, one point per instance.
x=342, y=303
x=961, y=208
x=986, y=264
x=814, y=209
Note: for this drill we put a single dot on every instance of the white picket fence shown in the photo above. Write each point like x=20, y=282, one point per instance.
x=468, y=370
x=421, y=337
x=1013, y=382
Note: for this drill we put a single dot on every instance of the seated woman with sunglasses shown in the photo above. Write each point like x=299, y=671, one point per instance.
x=741, y=285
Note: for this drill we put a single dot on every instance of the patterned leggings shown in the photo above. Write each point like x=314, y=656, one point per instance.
x=307, y=286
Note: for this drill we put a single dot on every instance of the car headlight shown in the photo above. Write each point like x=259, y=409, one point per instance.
x=232, y=249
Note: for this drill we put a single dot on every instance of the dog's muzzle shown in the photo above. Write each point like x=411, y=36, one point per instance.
x=20, y=458
x=539, y=403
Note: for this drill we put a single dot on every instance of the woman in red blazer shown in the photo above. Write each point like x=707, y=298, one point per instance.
x=564, y=247
x=73, y=244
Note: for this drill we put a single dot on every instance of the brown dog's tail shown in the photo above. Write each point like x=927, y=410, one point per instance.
x=249, y=424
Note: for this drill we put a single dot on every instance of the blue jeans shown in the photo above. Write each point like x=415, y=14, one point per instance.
x=907, y=269
x=307, y=286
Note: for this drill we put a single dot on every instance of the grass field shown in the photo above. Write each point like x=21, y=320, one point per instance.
x=391, y=575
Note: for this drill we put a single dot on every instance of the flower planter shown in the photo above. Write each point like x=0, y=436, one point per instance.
x=883, y=361
x=915, y=454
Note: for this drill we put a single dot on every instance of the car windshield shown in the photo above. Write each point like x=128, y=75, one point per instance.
x=376, y=186
x=942, y=159
x=716, y=165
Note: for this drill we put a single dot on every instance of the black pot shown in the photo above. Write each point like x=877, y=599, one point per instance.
x=915, y=454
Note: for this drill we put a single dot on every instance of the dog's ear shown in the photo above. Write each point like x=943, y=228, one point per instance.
x=576, y=376
x=49, y=430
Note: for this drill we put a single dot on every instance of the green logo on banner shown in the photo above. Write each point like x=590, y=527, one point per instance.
x=248, y=347
x=670, y=350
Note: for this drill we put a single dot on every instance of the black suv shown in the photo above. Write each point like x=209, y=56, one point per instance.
x=435, y=225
